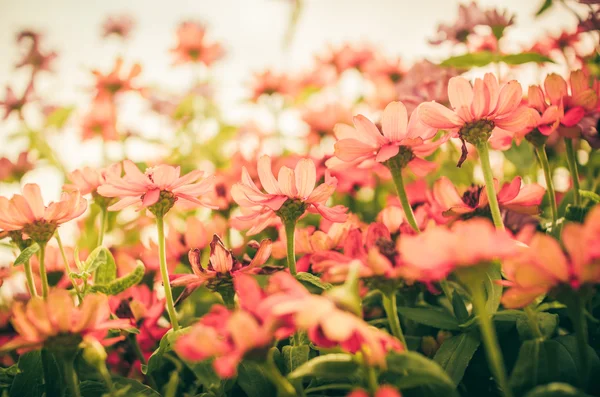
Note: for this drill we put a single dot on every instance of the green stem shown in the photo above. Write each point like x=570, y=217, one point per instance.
x=290, y=231
x=71, y=376
x=533, y=323
x=29, y=277
x=43, y=275
x=484, y=157
x=284, y=387
x=408, y=212
x=108, y=380
x=572, y=161
x=391, y=311
x=372, y=379
x=137, y=350
x=164, y=271
x=67, y=267
x=103, y=221
x=576, y=311
x=543, y=157
x=490, y=340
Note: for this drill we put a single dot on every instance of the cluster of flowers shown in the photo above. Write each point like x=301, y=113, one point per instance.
x=391, y=233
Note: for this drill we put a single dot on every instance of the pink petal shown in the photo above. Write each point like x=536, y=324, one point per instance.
x=287, y=182
x=306, y=177
x=394, y=121
x=151, y=198
x=509, y=98
x=438, y=116
x=368, y=130
x=573, y=116
x=460, y=92
x=387, y=152
x=265, y=174
x=352, y=149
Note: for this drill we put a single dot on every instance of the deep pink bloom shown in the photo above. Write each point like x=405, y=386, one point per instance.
x=383, y=391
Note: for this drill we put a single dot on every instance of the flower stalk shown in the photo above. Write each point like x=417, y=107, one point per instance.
x=290, y=231
x=391, y=311
x=103, y=222
x=543, y=157
x=395, y=166
x=43, y=274
x=29, y=276
x=484, y=157
x=572, y=161
x=164, y=272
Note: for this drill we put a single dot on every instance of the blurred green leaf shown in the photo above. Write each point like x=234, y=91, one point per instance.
x=455, y=354
x=26, y=254
x=59, y=117
x=437, y=318
x=544, y=7
x=470, y=60
x=525, y=57
x=331, y=366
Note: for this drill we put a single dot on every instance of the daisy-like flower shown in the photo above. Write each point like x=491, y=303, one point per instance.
x=10, y=171
x=382, y=391
x=513, y=196
x=13, y=104
x=100, y=120
x=408, y=141
x=34, y=57
x=27, y=212
x=270, y=83
x=87, y=179
x=118, y=25
x=287, y=197
x=469, y=16
x=158, y=189
x=548, y=114
x=58, y=324
x=193, y=47
x=347, y=57
x=115, y=82
x=543, y=265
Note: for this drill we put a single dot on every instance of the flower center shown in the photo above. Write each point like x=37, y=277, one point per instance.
x=40, y=231
x=401, y=160
x=387, y=248
x=536, y=138
x=291, y=210
x=471, y=196
x=124, y=310
x=165, y=202
x=476, y=132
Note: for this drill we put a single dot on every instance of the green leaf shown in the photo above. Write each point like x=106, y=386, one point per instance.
x=124, y=386
x=470, y=60
x=459, y=307
x=525, y=57
x=590, y=196
x=455, y=354
x=156, y=359
x=95, y=259
x=106, y=272
x=312, y=282
x=431, y=316
x=544, y=7
x=59, y=117
x=412, y=370
x=26, y=254
x=122, y=283
x=522, y=156
x=294, y=357
x=547, y=323
x=556, y=390
x=493, y=289
x=254, y=381
x=331, y=366
x=575, y=213
x=29, y=382
x=205, y=374
x=569, y=342
x=7, y=375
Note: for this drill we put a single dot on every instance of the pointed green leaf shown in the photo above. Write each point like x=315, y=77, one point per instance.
x=331, y=366
x=122, y=283
x=525, y=57
x=95, y=259
x=455, y=354
x=431, y=316
x=106, y=272
x=26, y=254
x=470, y=60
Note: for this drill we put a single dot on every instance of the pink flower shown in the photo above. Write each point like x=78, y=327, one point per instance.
x=544, y=265
x=34, y=57
x=548, y=115
x=269, y=83
x=347, y=57
x=58, y=320
x=28, y=213
x=435, y=253
x=87, y=179
x=10, y=171
x=13, y=104
x=118, y=25
x=383, y=391
x=114, y=82
x=483, y=111
x=292, y=191
x=159, y=188
x=512, y=196
x=100, y=120
x=410, y=140
x=192, y=45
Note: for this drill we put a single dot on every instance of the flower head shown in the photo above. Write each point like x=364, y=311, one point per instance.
x=287, y=197
x=13, y=104
x=10, y=171
x=118, y=25
x=158, y=189
x=115, y=82
x=100, y=120
x=87, y=179
x=34, y=57
x=192, y=45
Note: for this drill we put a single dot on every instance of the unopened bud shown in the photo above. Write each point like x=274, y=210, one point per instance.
x=442, y=336
x=94, y=353
x=429, y=346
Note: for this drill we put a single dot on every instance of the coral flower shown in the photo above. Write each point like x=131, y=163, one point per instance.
x=192, y=45
x=483, y=111
x=548, y=115
x=544, y=265
x=87, y=179
x=100, y=120
x=118, y=25
x=28, y=213
x=269, y=83
x=290, y=194
x=512, y=196
x=159, y=188
x=10, y=171
x=34, y=57
x=114, y=82
x=409, y=140
x=466, y=243
x=57, y=321
x=383, y=391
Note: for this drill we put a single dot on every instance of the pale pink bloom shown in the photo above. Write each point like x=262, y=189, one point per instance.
x=323, y=119
x=157, y=183
x=28, y=213
x=100, y=120
x=294, y=185
x=513, y=196
x=198, y=234
x=108, y=85
x=40, y=321
x=10, y=171
x=366, y=142
x=192, y=45
x=348, y=56
x=87, y=179
x=544, y=265
x=118, y=25
x=389, y=69
x=469, y=16
x=435, y=253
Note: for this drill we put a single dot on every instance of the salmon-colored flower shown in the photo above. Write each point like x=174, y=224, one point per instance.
x=270, y=83
x=192, y=45
x=409, y=140
x=58, y=321
x=100, y=120
x=383, y=391
x=87, y=179
x=512, y=196
x=544, y=265
x=10, y=171
x=435, y=253
x=115, y=82
x=322, y=120
x=28, y=213
x=347, y=57
x=118, y=25
x=549, y=115
x=34, y=56
x=482, y=112
x=291, y=194
x=159, y=188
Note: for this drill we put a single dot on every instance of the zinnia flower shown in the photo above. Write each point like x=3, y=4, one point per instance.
x=28, y=213
x=289, y=195
x=409, y=141
x=112, y=83
x=118, y=25
x=382, y=391
x=100, y=120
x=192, y=45
x=87, y=179
x=159, y=188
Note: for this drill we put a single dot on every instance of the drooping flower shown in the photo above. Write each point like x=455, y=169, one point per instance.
x=27, y=212
x=513, y=196
x=59, y=324
x=543, y=265
x=159, y=188
x=87, y=179
x=290, y=195
x=407, y=140
x=192, y=45
x=482, y=112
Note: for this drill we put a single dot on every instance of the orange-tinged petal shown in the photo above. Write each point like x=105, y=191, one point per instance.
x=266, y=177
x=368, y=130
x=460, y=92
x=436, y=115
x=287, y=182
x=306, y=177
x=555, y=87
x=33, y=195
x=509, y=98
x=394, y=122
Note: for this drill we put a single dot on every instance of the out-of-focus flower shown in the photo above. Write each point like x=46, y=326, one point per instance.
x=28, y=213
x=469, y=16
x=347, y=57
x=34, y=57
x=87, y=179
x=383, y=68
x=549, y=114
x=10, y=171
x=512, y=196
x=118, y=25
x=159, y=188
x=115, y=82
x=192, y=45
x=101, y=120
x=198, y=234
x=292, y=192
x=322, y=120
x=383, y=391
x=410, y=141
x=13, y=104
x=269, y=83
x=544, y=265
x=57, y=323
x=465, y=244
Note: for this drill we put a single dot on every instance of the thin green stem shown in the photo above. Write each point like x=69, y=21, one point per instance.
x=391, y=311
x=290, y=231
x=103, y=221
x=572, y=161
x=29, y=277
x=284, y=387
x=408, y=212
x=66, y=262
x=43, y=275
x=372, y=379
x=533, y=323
x=137, y=350
x=108, y=380
x=164, y=271
x=543, y=157
x=484, y=157
x=576, y=310
x=490, y=340
x=71, y=376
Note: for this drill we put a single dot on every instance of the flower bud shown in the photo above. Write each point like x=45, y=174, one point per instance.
x=94, y=353
x=429, y=346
